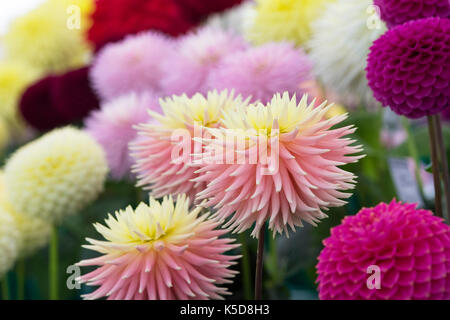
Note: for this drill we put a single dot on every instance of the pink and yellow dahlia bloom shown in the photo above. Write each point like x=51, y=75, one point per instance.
x=164, y=147
x=160, y=251
x=284, y=167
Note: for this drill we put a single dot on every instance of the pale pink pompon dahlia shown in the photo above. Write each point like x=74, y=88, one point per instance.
x=409, y=246
x=163, y=149
x=160, y=251
x=285, y=167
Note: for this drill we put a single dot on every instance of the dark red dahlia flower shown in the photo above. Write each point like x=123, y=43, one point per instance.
x=395, y=12
x=408, y=67
x=58, y=100
x=114, y=19
x=409, y=248
x=72, y=95
x=199, y=9
x=36, y=106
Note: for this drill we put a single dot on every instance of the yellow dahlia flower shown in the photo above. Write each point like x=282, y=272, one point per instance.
x=285, y=20
x=43, y=39
x=9, y=241
x=34, y=232
x=14, y=78
x=56, y=175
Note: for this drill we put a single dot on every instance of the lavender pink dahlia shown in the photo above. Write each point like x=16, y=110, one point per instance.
x=262, y=71
x=409, y=67
x=195, y=56
x=396, y=12
x=410, y=246
x=160, y=251
x=131, y=65
x=112, y=127
x=278, y=163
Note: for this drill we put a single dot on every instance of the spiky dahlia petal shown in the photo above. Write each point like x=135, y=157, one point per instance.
x=262, y=71
x=396, y=12
x=112, y=128
x=410, y=246
x=339, y=46
x=408, y=67
x=55, y=175
x=252, y=188
x=160, y=251
x=160, y=166
x=131, y=65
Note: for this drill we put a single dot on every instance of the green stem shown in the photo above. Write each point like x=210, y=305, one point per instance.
x=444, y=163
x=435, y=166
x=412, y=147
x=20, y=271
x=5, y=288
x=53, y=264
x=246, y=270
x=259, y=264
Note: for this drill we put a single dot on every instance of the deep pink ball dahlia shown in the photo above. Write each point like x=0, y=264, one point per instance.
x=409, y=67
x=396, y=12
x=263, y=71
x=410, y=246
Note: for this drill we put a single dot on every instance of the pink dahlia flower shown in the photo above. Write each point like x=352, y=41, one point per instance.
x=131, y=65
x=410, y=246
x=262, y=71
x=160, y=251
x=164, y=146
x=112, y=127
x=278, y=163
x=396, y=12
x=195, y=56
x=408, y=67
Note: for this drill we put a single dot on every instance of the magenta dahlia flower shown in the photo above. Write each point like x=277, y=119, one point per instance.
x=409, y=67
x=112, y=127
x=131, y=65
x=278, y=163
x=262, y=71
x=160, y=251
x=195, y=56
x=395, y=12
x=411, y=248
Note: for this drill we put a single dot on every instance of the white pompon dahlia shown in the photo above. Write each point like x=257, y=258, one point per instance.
x=56, y=175
x=340, y=44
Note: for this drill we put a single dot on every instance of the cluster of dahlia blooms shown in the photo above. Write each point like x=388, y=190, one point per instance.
x=160, y=251
x=203, y=60
x=408, y=67
x=410, y=247
x=250, y=190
